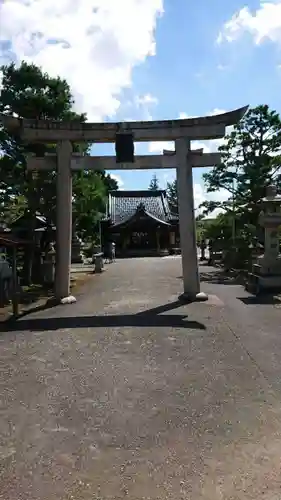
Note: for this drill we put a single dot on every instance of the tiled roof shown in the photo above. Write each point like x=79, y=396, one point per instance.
x=21, y=223
x=124, y=204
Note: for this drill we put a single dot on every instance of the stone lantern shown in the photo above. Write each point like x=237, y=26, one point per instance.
x=49, y=264
x=266, y=273
x=76, y=249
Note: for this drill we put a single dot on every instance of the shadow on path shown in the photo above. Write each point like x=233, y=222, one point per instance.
x=218, y=278
x=49, y=304
x=149, y=318
x=221, y=277
x=263, y=299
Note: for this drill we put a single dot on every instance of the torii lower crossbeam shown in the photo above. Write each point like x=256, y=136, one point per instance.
x=145, y=162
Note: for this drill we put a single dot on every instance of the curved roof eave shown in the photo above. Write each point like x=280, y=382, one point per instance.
x=145, y=212
x=151, y=216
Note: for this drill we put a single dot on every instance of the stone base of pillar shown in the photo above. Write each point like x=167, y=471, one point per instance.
x=199, y=297
x=68, y=300
x=53, y=301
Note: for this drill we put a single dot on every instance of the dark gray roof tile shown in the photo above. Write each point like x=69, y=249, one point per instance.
x=123, y=204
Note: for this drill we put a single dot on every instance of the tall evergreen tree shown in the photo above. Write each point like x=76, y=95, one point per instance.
x=251, y=160
x=154, y=183
x=172, y=195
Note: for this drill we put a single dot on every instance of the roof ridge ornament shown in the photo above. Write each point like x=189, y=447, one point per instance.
x=141, y=206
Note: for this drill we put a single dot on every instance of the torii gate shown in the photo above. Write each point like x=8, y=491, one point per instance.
x=182, y=159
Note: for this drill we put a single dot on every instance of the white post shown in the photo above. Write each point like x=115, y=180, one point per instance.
x=191, y=282
x=64, y=220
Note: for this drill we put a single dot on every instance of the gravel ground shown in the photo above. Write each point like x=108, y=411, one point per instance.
x=130, y=394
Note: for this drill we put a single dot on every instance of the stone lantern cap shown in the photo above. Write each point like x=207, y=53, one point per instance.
x=271, y=196
x=270, y=216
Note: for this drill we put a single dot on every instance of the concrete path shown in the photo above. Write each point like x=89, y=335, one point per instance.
x=129, y=394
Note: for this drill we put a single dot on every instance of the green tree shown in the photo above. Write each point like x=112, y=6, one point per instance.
x=172, y=195
x=250, y=162
x=90, y=191
x=110, y=183
x=28, y=92
x=13, y=209
x=154, y=183
x=220, y=227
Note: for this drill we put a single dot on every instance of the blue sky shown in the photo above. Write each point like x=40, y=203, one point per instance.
x=191, y=73
x=151, y=59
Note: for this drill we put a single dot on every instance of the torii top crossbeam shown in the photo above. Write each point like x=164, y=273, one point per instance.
x=202, y=128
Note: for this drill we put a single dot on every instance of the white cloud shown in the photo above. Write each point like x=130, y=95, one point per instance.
x=158, y=146
x=93, y=44
x=262, y=24
x=143, y=104
x=146, y=100
x=166, y=176
x=201, y=195
x=217, y=111
x=222, y=67
x=183, y=115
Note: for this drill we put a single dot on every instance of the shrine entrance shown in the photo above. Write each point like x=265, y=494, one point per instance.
x=139, y=239
x=183, y=159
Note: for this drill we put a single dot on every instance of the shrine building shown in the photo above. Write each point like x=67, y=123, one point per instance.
x=140, y=223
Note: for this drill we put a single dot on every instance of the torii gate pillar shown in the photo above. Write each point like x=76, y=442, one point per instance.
x=191, y=282
x=64, y=220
